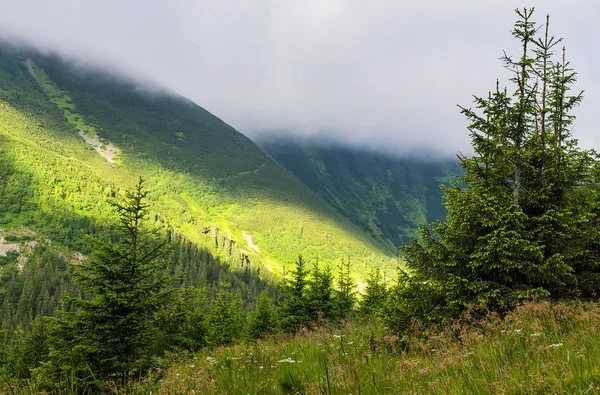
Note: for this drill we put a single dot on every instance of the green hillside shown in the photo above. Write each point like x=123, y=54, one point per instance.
x=386, y=196
x=71, y=140
x=202, y=173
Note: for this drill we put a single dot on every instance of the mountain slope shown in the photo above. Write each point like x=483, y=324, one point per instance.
x=207, y=181
x=387, y=197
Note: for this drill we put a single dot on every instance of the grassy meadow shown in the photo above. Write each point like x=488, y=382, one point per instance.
x=541, y=348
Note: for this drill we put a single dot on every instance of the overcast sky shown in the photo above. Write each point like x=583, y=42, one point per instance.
x=384, y=73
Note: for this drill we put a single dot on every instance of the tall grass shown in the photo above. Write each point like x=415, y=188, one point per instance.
x=540, y=348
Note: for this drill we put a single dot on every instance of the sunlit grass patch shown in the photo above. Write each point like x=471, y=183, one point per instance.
x=540, y=348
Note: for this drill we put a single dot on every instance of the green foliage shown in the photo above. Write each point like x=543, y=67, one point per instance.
x=293, y=310
x=182, y=325
x=261, y=321
x=345, y=294
x=225, y=319
x=309, y=297
x=375, y=294
x=386, y=196
x=522, y=221
x=319, y=296
x=113, y=330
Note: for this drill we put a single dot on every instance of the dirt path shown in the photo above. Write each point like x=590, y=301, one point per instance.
x=108, y=151
x=249, y=241
x=259, y=168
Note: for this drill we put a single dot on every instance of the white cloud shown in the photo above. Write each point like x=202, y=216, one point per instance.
x=385, y=73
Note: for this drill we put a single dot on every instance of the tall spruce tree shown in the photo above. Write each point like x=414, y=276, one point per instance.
x=522, y=221
x=112, y=332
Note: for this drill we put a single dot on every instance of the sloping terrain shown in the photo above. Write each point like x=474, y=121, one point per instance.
x=71, y=140
x=206, y=180
x=386, y=196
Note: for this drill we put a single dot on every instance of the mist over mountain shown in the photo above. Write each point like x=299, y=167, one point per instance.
x=384, y=74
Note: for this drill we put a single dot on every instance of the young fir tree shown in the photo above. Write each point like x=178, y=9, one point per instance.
x=293, y=310
x=319, y=295
x=113, y=332
x=183, y=323
x=224, y=322
x=262, y=320
x=375, y=294
x=521, y=221
x=345, y=294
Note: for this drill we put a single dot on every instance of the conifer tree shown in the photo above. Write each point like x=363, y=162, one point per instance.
x=319, y=295
x=345, y=294
x=520, y=221
x=113, y=331
x=225, y=320
x=183, y=324
x=294, y=312
x=375, y=294
x=262, y=320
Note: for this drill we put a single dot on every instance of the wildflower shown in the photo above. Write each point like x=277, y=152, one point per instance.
x=425, y=370
x=557, y=345
x=192, y=366
x=287, y=360
x=517, y=330
x=261, y=367
x=211, y=360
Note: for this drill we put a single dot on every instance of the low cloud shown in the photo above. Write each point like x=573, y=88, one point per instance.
x=381, y=73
